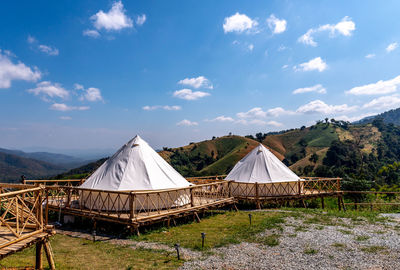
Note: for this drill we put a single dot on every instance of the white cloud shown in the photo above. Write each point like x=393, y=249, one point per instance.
x=93, y=94
x=392, y=46
x=65, y=117
x=316, y=88
x=221, y=118
x=50, y=89
x=31, y=39
x=199, y=82
x=345, y=27
x=314, y=64
x=166, y=107
x=385, y=102
x=370, y=55
x=238, y=23
x=78, y=86
x=114, y=19
x=253, y=113
x=250, y=47
x=274, y=123
x=278, y=111
x=276, y=25
x=141, y=19
x=64, y=107
x=189, y=94
x=353, y=118
x=282, y=48
x=378, y=88
x=48, y=50
x=10, y=71
x=91, y=33
x=285, y=66
x=318, y=106
x=186, y=122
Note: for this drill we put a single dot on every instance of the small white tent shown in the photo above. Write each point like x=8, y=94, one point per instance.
x=134, y=167
x=263, y=167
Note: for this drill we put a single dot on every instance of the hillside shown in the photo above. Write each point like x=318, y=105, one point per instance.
x=12, y=167
x=389, y=117
x=57, y=159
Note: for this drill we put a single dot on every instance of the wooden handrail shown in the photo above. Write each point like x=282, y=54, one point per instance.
x=14, y=193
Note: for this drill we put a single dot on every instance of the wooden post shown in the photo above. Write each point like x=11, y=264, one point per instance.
x=355, y=203
x=257, y=198
x=339, y=203
x=68, y=198
x=322, y=202
x=229, y=189
x=49, y=255
x=39, y=264
x=299, y=186
x=191, y=197
x=47, y=207
x=131, y=204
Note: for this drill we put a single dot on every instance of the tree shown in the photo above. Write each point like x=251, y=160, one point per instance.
x=314, y=158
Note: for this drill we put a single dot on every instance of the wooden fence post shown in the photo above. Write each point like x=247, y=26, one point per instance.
x=257, y=197
x=191, y=197
x=131, y=205
x=229, y=189
x=322, y=202
x=39, y=263
x=339, y=203
x=299, y=186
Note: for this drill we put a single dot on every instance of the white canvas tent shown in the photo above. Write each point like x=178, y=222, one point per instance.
x=263, y=167
x=134, y=167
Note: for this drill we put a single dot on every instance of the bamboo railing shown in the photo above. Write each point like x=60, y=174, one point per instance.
x=372, y=199
x=60, y=182
x=134, y=205
x=20, y=220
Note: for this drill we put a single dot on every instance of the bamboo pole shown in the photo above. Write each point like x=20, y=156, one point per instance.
x=49, y=255
x=39, y=262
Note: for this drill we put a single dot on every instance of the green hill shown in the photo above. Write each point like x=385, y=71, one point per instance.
x=12, y=167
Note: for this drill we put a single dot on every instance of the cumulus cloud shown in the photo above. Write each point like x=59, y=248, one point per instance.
x=276, y=25
x=64, y=107
x=166, y=107
x=378, y=88
x=188, y=94
x=353, y=118
x=385, y=102
x=187, y=123
x=47, y=88
x=316, y=88
x=78, y=86
x=278, y=111
x=141, y=19
x=370, y=55
x=274, y=123
x=314, y=64
x=10, y=71
x=113, y=20
x=253, y=113
x=91, y=33
x=221, y=118
x=345, y=27
x=318, y=106
x=93, y=94
x=391, y=47
x=48, y=50
x=199, y=82
x=250, y=47
x=238, y=23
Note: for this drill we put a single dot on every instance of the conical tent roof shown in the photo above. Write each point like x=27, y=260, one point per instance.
x=261, y=166
x=135, y=166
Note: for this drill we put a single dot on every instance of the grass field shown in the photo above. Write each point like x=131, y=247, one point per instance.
x=76, y=253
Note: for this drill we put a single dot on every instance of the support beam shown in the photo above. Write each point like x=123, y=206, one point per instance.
x=339, y=203
x=39, y=262
x=322, y=203
x=49, y=255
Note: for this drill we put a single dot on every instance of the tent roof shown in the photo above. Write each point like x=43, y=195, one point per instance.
x=262, y=166
x=135, y=166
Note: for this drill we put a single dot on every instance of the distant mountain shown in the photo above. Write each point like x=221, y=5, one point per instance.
x=13, y=166
x=81, y=172
x=389, y=117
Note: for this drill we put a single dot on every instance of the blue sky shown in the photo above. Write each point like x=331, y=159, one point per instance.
x=92, y=74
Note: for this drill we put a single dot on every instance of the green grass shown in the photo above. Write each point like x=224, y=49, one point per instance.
x=269, y=240
x=361, y=238
x=220, y=230
x=345, y=231
x=76, y=253
x=310, y=251
x=340, y=246
x=373, y=249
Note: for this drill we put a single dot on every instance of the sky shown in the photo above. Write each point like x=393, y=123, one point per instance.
x=92, y=74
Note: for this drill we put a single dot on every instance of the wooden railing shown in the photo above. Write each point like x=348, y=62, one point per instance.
x=206, y=179
x=372, y=199
x=19, y=219
x=135, y=204
x=60, y=182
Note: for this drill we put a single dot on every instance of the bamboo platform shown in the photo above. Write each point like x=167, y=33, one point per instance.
x=22, y=223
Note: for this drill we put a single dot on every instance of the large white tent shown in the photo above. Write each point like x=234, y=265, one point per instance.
x=134, y=167
x=263, y=167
